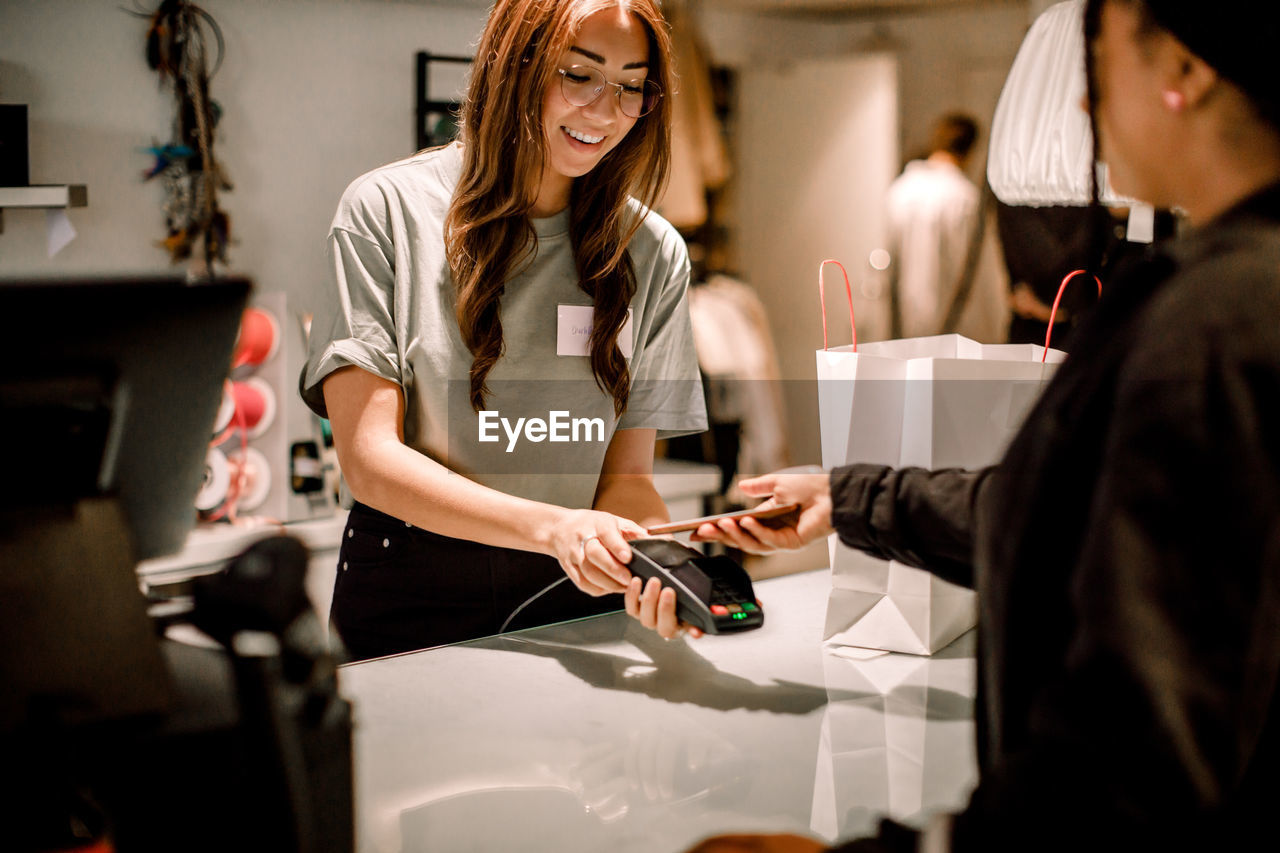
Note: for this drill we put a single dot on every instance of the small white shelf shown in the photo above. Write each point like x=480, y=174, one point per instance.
x=43, y=195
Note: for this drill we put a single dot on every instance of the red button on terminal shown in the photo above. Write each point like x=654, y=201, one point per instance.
x=719, y=610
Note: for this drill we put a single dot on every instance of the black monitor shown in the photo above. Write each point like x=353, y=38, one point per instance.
x=108, y=398
x=108, y=395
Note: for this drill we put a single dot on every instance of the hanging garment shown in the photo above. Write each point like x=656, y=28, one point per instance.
x=699, y=159
x=738, y=359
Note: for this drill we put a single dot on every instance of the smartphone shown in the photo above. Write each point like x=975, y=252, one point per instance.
x=777, y=514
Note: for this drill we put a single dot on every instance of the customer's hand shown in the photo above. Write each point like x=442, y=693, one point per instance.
x=809, y=486
x=593, y=551
x=759, y=844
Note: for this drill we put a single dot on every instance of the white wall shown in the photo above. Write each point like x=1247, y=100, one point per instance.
x=314, y=93
x=810, y=178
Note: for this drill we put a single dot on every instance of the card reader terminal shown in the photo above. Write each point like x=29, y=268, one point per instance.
x=712, y=593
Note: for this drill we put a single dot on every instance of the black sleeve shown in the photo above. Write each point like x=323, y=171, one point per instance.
x=917, y=517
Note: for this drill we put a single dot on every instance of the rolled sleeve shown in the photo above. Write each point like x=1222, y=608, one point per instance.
x=356, y=326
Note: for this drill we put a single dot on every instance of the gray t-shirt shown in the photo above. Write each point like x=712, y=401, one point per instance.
x=390, y=311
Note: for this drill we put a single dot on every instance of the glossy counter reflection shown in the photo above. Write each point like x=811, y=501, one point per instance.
x=599, y=735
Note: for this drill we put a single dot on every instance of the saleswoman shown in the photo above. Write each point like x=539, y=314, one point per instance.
x=507, y=336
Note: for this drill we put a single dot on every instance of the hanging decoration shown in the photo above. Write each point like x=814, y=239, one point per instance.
x=177, y=50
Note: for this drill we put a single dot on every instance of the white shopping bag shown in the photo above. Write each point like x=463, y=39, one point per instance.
x=935, y=402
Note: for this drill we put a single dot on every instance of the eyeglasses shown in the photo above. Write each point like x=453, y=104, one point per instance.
x=582, y=86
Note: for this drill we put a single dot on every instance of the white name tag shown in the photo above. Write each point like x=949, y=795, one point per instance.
x=1142, y=223
x=573, y=331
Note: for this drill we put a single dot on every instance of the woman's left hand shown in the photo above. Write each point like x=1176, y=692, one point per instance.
x=655, y=606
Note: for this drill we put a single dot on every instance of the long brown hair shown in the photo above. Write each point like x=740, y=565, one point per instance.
x=488, y=235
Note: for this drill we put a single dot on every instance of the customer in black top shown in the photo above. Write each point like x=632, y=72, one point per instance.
x=1129, y=627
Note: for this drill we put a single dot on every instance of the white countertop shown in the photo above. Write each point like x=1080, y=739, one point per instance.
x=598, y=735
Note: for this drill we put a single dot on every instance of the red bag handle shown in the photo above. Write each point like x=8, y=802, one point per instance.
x=822, y=298
x=1053, y=312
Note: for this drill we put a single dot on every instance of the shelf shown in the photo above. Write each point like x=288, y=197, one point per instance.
x=43, y=196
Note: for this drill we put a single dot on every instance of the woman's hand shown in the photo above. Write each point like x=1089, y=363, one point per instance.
x=655, y=606
x=593, y=551
x=809, y=486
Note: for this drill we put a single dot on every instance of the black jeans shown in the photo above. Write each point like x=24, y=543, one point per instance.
x=401, y=588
